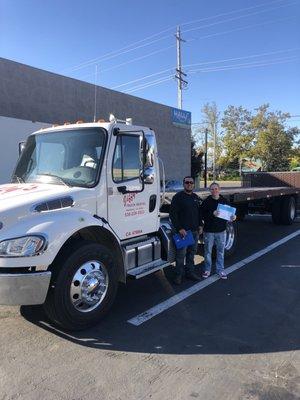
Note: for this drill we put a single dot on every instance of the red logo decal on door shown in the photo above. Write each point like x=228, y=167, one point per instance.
x=128, y=199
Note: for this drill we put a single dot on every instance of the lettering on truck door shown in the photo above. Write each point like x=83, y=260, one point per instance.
x=128, y=197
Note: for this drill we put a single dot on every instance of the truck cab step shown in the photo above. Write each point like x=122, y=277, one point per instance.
x=147, y=269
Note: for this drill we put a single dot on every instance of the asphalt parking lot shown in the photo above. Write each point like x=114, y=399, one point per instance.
x=234, y=339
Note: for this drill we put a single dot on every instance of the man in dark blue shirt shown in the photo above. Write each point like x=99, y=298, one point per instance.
x=185, y=215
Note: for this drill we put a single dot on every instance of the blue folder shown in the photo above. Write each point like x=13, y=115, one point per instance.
x=186, y=241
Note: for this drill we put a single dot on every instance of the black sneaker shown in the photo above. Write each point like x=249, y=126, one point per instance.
x=193, y=276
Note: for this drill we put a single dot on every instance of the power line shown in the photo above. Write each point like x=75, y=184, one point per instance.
x=128, y=48
x=205, y=63
x=232, y=12
x=97, y=60
x=178, y=76
x=240, y=29
x=245, y=65
x=244, y=57
x=144, y=77
x=116, y=52
x=188, y=41
x=179, y=71
x=216, y=69
x=238, y=17
x=222, y=68
x=139, y=58
x=131, y=61
x=152, y=83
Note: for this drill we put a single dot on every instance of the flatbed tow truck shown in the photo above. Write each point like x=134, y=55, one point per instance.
x=83, y=213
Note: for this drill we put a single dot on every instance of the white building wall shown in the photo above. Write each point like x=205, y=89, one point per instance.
x=12, y=132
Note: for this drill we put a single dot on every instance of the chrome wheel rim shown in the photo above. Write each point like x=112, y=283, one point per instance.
x=293, y=211
x=89, y=286
x=230, y=235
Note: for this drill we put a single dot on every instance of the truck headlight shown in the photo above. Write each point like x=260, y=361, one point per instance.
x=25, y=246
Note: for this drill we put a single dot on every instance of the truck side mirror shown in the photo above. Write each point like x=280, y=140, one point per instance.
x=21, y=147
x=149, y=174
x=149, y=160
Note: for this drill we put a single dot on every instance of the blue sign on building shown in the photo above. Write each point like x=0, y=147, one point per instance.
x=181, y=118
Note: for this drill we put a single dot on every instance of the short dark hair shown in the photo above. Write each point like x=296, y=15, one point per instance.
x=214, y=183
x=188, y=176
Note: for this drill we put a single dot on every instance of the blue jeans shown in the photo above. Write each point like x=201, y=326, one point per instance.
x=187, y=253
x=217, y=238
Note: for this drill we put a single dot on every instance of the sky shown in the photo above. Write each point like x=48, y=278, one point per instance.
x=236, y=52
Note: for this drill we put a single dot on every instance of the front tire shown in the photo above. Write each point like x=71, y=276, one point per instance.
x=83, y=288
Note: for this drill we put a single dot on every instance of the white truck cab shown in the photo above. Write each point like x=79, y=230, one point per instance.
x=81, y=215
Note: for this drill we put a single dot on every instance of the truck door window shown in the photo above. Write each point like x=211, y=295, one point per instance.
x=127, y=162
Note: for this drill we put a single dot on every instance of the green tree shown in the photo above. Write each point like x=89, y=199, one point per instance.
x=196, y=159
x=238, y=137
x=274, y=140
x=295, y=157
x=210, y=123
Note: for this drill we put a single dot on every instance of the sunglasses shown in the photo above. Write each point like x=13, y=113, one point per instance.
x=189, y=182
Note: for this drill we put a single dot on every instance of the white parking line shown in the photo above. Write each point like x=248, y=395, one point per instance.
x=159, y=308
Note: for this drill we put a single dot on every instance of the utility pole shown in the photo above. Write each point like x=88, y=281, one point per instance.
x=214, y=154
x=205, y=159
x=180, y=81
x=95, y=92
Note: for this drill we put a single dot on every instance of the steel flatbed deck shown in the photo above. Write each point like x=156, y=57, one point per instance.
x=244, y=195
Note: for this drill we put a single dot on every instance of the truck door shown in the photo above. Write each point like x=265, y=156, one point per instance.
x=133, y=205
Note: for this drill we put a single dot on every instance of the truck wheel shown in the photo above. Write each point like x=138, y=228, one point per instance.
x=231, y=238
x=276, y=210
x=288, y=210
x=84, y=286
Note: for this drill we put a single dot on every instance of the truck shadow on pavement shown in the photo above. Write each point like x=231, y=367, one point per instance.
x=257, y=310
x=243, y=315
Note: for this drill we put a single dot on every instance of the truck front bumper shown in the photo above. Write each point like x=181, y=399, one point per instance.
x=24, y=288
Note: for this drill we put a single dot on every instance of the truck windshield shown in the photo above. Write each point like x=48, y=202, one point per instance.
x=71, y=157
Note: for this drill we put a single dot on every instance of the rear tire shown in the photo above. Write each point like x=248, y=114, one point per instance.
x=83, y=287
x=288, y=210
